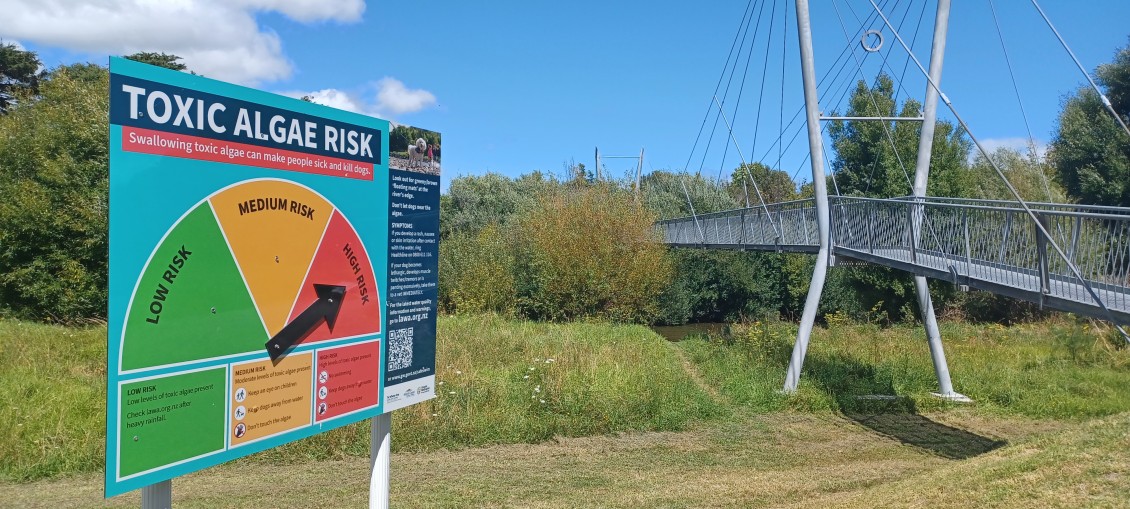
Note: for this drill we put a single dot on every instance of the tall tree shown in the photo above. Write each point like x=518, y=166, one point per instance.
x=1090, y=151
x=165, y=60
x=1032, y=176
x=20, y=72
x=877, y=159
x=53, y=187
x=867, y=163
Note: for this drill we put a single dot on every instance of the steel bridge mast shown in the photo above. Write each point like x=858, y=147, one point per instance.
x=921, y=177
x=823, y=219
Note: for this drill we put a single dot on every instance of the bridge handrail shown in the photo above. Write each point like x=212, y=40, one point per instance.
x=1072, y=210
x=757, y=210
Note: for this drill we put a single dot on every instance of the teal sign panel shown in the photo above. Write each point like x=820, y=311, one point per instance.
x=249, y=272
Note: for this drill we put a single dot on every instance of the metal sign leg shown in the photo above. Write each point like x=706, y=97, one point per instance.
x=379, y=454
x=157, y=496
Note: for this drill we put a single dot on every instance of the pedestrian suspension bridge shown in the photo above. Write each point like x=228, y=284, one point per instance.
x=1068, y=257
x=981, y=244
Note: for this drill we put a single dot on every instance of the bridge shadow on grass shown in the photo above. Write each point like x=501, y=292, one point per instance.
x=872, y=403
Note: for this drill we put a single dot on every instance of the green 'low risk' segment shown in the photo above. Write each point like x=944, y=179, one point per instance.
x=191, y=302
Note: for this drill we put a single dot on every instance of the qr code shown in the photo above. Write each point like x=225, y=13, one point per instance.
x=399, y=349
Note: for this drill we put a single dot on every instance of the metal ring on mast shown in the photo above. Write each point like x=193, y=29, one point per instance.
x=866, y=35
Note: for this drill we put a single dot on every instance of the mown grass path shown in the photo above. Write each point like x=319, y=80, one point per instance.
x=696, y=376
x=778, y=460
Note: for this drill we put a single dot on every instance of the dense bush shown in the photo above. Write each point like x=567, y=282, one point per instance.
x=724, y=286
x=53, y=191
x=478, y=272
x=473, y=202
x=563, y=251
x=590, y=251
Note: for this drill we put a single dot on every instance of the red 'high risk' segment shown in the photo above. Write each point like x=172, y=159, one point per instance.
x=341, y=260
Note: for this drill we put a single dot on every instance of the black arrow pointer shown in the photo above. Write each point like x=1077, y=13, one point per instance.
x=326, y=307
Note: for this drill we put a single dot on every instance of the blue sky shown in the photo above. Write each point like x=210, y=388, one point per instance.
x=522, y=86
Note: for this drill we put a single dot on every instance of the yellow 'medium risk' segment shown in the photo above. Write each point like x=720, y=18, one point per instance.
x=273, y=228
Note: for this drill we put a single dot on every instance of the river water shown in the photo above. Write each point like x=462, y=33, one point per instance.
x=681, y=332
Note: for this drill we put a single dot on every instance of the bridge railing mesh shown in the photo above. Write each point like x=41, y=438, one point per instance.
x=994, y=244
x=787, y=225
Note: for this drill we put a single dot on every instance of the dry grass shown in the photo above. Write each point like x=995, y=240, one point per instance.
x=779, y=460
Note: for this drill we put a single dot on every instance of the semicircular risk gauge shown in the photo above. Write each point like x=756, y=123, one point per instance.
x=241, y=265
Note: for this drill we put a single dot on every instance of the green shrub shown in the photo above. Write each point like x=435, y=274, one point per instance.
x=53, y=190
x=477, y=272
x=590, y=251
x=714, y=285
x=473, y=202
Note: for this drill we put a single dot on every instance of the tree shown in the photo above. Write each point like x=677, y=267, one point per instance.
x=590, y=252
x=665, y=194
x=1115, y=77
x=868, y=164
x=159, y=59
x=54, y=164
x=776, y=185
x=20, y=72
x=1031, y=175
x=85, y=72
x=473, y=202
x=1090, y=151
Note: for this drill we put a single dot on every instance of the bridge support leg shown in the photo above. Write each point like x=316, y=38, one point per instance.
x=807, y=320
x=918, y=218
x=820, y=189
x=934, y=338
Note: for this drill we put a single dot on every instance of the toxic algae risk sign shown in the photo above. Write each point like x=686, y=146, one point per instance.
x=250, y=273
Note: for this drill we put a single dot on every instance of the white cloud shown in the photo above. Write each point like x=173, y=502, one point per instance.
x=394, y=97
x=1018, y=144
x=391, y=98
x=333, y=98
x=217, y=38
x=308, y=11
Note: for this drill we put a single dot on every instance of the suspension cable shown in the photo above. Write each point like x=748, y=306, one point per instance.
x=784, y=54
x=874, y=102
x=913, y=43
x=745, y=74
x=1019, y=101
x=1102, y=96
x=1035, y=220
x=887, y=54
x=761, y=93
x=718, y=86
x=894, y=102
x=726, y=93
x=756, y=188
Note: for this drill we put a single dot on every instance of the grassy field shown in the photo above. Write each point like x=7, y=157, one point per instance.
x=784, y=459
x=1055, y=369
x=593, y=415
x=53, y=392
x=502, y=382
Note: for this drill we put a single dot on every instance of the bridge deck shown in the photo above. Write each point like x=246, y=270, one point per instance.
x=987, y=245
